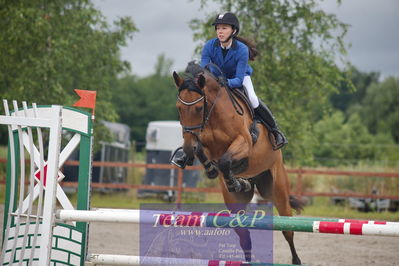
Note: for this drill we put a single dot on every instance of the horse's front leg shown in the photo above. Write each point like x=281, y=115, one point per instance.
x=234, y=162
x=211, y=169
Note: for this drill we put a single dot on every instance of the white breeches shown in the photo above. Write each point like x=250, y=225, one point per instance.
x=250, y=91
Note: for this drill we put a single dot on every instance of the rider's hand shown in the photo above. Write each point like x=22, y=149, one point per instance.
x=223, y=81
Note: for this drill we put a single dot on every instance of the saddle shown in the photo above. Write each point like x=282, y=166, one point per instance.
x=242, y=94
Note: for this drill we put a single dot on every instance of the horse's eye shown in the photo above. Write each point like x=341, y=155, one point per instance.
x=199, y=108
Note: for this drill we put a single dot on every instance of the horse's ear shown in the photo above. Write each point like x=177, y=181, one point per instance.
x=177, y=78
x=201, y=81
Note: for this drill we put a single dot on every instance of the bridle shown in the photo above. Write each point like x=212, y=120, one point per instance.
x=191, y=84
x=205, y=114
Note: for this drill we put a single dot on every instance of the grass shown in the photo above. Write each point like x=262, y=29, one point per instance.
x=322, y=207
x=3, y=151
x=129, y=200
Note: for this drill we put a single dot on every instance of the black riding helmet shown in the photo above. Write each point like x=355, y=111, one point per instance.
x=229, y=19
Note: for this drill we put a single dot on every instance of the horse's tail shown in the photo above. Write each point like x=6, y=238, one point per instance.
x=296, y=204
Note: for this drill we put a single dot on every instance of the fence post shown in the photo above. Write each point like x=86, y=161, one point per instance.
x=299, y=187
x=179, y=185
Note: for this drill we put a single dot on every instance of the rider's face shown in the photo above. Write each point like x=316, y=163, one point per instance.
x=223, y=31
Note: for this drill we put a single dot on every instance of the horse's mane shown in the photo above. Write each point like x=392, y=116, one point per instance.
x=191, y=73
x=193, y=70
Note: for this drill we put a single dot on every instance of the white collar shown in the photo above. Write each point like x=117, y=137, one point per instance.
x=228, y=47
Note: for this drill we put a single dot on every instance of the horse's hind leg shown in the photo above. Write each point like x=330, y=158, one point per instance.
x=245, y=242
x=281, y=200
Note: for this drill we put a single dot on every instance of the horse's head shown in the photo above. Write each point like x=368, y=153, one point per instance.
x=192, y=107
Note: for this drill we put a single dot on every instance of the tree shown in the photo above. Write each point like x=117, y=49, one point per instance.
x=342, y=141
x=354, y=92
x=379, y=108
x=141, y=100
x=49, y=48
x=296, y=71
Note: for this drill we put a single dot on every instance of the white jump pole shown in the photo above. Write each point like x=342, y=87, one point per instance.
x=99, y=216
x=108, y=259
x=277, y=223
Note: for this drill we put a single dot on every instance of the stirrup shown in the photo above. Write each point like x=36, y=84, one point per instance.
x=273, y=136
x=179, y=161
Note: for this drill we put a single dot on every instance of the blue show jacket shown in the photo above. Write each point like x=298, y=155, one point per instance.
x=234, y=65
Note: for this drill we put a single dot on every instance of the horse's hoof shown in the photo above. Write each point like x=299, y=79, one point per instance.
x=234, y=187
x=296, y=261
x=211, y=170
x=248, y=256
x=212, y=174
x=245, y=185
x=239, y=185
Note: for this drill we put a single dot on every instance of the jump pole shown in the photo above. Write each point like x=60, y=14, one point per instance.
x=278, y=223
x=133, y=216
x=340, y=220
x=106, y=259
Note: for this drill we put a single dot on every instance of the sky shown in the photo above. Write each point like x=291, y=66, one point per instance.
x=164, y=29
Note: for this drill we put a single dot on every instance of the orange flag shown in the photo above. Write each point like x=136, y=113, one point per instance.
x=87, y=99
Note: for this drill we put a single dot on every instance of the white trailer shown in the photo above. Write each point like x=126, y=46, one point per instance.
x=162, y=138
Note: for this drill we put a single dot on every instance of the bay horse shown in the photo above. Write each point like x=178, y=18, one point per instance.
x=218, y=135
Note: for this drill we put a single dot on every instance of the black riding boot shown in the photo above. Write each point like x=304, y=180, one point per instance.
x=264, y=114
x=180, y=158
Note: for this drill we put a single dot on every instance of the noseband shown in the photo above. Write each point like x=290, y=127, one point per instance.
x=191, y=85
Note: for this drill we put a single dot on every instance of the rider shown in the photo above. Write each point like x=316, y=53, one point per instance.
x=231, y=54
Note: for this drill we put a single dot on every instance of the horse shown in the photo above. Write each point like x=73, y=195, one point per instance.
x=215, y=127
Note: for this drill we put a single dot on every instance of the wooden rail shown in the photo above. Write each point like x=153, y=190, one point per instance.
x=298, y=190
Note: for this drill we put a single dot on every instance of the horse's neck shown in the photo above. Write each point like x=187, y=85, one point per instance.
x=225, y=118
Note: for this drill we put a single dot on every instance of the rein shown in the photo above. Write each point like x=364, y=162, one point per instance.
x=235, y=102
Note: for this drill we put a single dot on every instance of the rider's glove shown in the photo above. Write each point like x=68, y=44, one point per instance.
x=223, y=81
